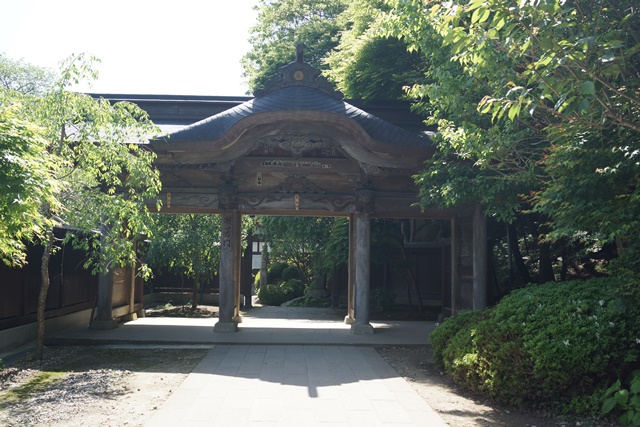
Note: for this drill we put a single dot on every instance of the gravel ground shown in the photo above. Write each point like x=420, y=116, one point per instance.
x=92, y=386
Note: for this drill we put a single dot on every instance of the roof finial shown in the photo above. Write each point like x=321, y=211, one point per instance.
x=299, y=50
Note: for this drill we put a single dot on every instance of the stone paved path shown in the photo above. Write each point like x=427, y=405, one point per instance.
x=294, y=385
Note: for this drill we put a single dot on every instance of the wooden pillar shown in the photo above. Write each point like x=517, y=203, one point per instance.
x=227, y=274
x=351, y=272
x=246, y=281
x=237, y=263
x=455, y=264
x=363, y=274
x=479, y=259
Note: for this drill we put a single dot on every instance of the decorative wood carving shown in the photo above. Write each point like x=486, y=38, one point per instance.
x=327, y=203
x=298, y=144
x=299, y=184
x=222, y=166
x=374, y=170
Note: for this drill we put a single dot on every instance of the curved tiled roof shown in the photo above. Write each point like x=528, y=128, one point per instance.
x=298, y=98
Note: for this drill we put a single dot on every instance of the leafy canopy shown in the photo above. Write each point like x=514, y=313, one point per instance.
x=96, y=160
x=282, y=24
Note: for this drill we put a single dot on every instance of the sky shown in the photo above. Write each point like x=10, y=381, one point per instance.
x=184, y=47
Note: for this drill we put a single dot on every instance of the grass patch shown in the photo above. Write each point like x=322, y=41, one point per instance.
x=39, y=382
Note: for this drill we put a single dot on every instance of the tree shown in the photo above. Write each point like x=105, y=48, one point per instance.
x=488, y=152
x=366, y=64
x=24, y=78
x=25, y=185
x=187, y=245
x=298, y=241
x=105, y=174
x=282, y=24
x=577, y=74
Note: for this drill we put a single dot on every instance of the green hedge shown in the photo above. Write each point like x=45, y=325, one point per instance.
x=552, y=343
x=279, y=294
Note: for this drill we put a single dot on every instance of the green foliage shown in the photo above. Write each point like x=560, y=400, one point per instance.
x=186, y=244
x=25, y=185
x=256, y=280
x=366, y=64
x=274, y=272
x=2, y=365
x=624, y=401
x=95, y=159
x=282, y=24
x=278, y=294
x=293, y=287
x=290, y=272
x=558, y=342
x=296, y=241
x=381, y=300
x=24, y=78
x=444, y=333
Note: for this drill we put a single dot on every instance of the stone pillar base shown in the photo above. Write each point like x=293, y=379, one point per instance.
x=103, y=325
x=129, y=317
x=349, y=320
x=362, y=329
x=225, y=327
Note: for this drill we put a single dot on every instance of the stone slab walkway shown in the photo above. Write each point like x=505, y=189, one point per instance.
x=294, y=385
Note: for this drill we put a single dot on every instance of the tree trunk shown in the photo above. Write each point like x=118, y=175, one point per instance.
x=545, y=264
x=44, y=289
x=408, y=274
x=517, y=255
x=194, y=300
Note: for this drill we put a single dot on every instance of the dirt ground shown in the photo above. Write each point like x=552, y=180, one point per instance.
x=98, y=386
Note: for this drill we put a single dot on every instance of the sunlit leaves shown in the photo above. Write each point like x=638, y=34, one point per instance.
x=26, y=183
x=96, y=159
x=187, y=244
x=280, y=26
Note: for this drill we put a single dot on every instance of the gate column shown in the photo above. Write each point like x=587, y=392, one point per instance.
x=350, y=317
x=228, y=274
x=364, y=203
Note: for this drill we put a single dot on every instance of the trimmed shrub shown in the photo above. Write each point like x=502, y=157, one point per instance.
x=557, y=342
x=271, y=295
x=279, y=294
x=274, y=273
x=442, y=335
x=292, y=289
x=291, y=272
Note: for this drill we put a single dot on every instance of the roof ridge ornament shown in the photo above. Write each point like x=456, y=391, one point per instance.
x=298, y=73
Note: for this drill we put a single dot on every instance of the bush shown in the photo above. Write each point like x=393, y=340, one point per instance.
x=624, y=402
x=279, y=294
x=558, y=342
x=274, y=273
x=291, y=272
x=442, y=335
x=381, y=301
x=271, y=295
x=294, y=288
